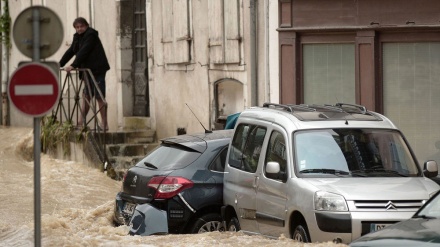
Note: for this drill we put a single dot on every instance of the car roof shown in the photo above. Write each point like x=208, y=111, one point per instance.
x=340, y=115
x=199, y=141
x=339, y=111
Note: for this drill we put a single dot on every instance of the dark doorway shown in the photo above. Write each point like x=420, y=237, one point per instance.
x=140, y=62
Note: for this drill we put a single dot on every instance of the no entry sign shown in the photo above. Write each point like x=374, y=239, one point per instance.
x=33, y=89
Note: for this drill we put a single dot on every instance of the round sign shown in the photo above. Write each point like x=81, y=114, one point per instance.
x=33, y=89
x=50, y=31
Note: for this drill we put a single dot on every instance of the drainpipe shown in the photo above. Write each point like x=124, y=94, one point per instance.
x=91, y=14
x=4, y=106
x=1, y=74
x=253, y=51
x=267, y=59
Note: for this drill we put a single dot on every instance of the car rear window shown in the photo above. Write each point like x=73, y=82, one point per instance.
x=169, y=157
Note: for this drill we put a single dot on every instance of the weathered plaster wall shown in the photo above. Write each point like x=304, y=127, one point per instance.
x=170, y=89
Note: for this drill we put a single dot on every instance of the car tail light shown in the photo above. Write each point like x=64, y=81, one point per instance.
x=167, y=187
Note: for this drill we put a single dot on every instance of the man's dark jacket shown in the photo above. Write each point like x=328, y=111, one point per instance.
x=88, y=51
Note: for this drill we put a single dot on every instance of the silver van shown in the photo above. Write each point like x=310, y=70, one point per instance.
x=319, y=173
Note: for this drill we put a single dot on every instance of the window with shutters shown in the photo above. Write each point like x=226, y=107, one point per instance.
x=176, y=31
x=225, y=32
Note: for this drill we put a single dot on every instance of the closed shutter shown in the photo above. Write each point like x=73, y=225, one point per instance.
x=176, y=35
x=181, y=31
x=167, y=30
x=216, y=31
x=224, y=31
x=232, y=31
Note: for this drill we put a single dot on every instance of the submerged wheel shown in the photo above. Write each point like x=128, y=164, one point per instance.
x=300, y=234
x=207, y=223
x=234, y=225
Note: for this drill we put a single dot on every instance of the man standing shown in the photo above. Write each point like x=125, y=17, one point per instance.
x=89, y=54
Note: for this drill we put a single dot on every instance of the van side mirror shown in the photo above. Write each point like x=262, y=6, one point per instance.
x=430, y=169
x=272, y=167
x=273, y=171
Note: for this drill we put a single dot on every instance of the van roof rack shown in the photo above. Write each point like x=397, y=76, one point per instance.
x=289, y=107
x=363, y=109
x=316, y=112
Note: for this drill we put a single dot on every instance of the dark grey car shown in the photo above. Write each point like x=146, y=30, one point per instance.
x=178, y=186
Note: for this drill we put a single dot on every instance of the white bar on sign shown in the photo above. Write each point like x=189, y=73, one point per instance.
x=23, y=90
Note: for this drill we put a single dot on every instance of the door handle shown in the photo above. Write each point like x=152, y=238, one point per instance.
x=256, y=180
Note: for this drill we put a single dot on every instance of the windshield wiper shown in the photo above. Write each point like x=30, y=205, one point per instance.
x=358, y=173
x=327, y=171
x=385, y=170
x=147, y=164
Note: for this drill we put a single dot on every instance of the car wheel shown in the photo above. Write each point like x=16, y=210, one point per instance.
x=300, y=234
x=115, y=223
x=234, y=225
x=208, y=223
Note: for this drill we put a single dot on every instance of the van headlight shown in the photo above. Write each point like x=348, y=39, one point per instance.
x=432, y=194
x=325, y=201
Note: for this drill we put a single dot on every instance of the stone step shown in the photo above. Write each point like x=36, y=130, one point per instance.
x=120, y=164
x=124, y=162
x=130, y=149
x=128, y=136
x=128, y=145
x=136, y=123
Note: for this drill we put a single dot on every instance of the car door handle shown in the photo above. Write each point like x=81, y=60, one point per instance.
x=256, y=179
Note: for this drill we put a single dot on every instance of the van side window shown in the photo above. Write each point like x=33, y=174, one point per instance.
x=246, y=147
x=276, y=152
x=237, y=145
x=219, y=163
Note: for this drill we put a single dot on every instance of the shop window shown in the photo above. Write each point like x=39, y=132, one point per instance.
x=329, y=73
x=411, y=94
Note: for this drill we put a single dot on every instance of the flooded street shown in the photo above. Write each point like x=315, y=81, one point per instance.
x=77, y=205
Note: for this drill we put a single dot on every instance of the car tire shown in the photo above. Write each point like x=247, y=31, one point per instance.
x=207, y=223
x=234, y=225
x=300, y=234
x=115, y=223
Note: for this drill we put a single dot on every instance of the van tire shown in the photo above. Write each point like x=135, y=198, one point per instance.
x=207, y=223
x=233, y=225
x=300, y=234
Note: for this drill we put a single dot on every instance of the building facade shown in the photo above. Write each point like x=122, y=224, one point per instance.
x=174, y=62
x=384, y=54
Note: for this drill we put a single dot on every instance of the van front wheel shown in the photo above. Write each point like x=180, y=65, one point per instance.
x=300, y=234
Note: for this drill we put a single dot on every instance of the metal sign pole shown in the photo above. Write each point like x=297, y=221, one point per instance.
x=37, y=130
x=45, y=27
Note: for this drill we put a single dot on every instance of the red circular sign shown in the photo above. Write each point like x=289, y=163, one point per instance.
x=33, y=89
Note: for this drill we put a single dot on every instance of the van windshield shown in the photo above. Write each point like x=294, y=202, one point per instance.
x=354, y=152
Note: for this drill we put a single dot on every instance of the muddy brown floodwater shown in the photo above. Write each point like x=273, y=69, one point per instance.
x=77, y=205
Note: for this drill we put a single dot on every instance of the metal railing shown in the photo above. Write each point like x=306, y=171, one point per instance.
x=71, y=103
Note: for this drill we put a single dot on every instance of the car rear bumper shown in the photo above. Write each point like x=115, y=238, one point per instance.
x=119, y=216
x=148, y=220
x=144, y=219
x=177, y=212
